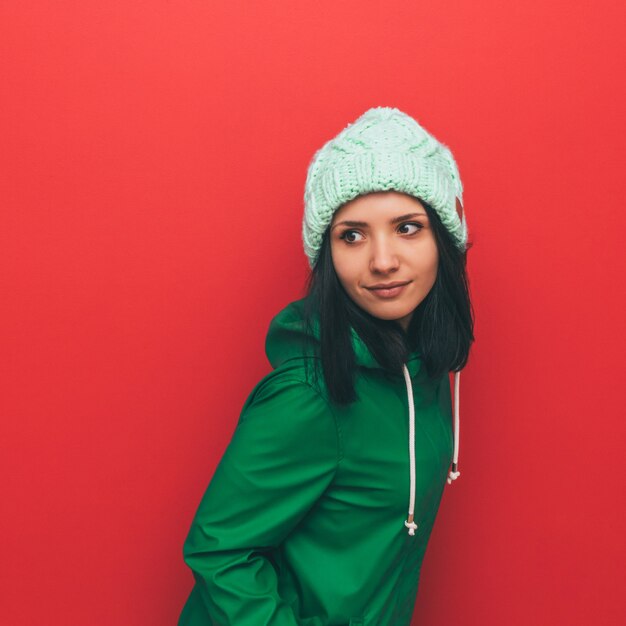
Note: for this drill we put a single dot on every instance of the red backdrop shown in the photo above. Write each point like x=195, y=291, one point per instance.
x=152, y=170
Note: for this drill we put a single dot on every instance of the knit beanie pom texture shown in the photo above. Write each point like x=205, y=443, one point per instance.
x=383, y=149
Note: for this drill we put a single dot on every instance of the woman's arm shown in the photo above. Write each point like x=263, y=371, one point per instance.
x=282, y=456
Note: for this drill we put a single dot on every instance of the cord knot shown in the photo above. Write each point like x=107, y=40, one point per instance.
x=453, y=476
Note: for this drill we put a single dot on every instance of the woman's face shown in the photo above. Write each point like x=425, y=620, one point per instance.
x=382, y=238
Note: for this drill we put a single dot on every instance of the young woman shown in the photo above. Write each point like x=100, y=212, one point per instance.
x=321, y=508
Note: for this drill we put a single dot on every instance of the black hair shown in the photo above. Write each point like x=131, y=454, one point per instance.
x=441, y=328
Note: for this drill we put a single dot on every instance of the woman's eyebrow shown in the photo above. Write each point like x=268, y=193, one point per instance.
x=395, y=220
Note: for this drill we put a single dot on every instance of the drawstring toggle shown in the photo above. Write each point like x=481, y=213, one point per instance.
x=411, y=525
x=454, y=474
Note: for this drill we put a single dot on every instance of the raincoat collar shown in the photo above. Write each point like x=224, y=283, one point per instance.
x=365, y=358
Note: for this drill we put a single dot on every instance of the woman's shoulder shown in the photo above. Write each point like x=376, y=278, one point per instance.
x=286, y=405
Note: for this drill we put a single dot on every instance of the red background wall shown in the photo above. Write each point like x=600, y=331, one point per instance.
x=152, y=170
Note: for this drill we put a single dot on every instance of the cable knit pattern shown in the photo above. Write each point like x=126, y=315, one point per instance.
x=383, y=149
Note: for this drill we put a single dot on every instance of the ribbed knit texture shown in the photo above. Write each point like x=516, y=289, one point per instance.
x=383, y=149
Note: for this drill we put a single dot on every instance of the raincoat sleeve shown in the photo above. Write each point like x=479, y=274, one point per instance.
x=282, y=456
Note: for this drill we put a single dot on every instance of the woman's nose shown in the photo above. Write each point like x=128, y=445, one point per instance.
x=384, y=258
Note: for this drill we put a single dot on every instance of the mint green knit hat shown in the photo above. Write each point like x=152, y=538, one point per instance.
x=382, y=149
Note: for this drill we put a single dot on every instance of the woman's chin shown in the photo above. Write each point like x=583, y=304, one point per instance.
x=390, y=313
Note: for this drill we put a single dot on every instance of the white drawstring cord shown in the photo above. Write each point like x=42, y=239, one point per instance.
x=409, y=523
x=454, y=474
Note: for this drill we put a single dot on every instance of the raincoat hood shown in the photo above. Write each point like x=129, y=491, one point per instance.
x=285, y=340
x=286, y=337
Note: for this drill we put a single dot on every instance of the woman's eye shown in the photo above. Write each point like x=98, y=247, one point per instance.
x=418, y=227
x=348, y=234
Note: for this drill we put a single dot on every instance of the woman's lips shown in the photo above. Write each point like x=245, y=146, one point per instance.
x=388, y=293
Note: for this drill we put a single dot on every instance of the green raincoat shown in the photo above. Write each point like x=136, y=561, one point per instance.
x=303, y=522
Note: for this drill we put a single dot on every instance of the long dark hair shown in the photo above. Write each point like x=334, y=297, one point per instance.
x=441, y=328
